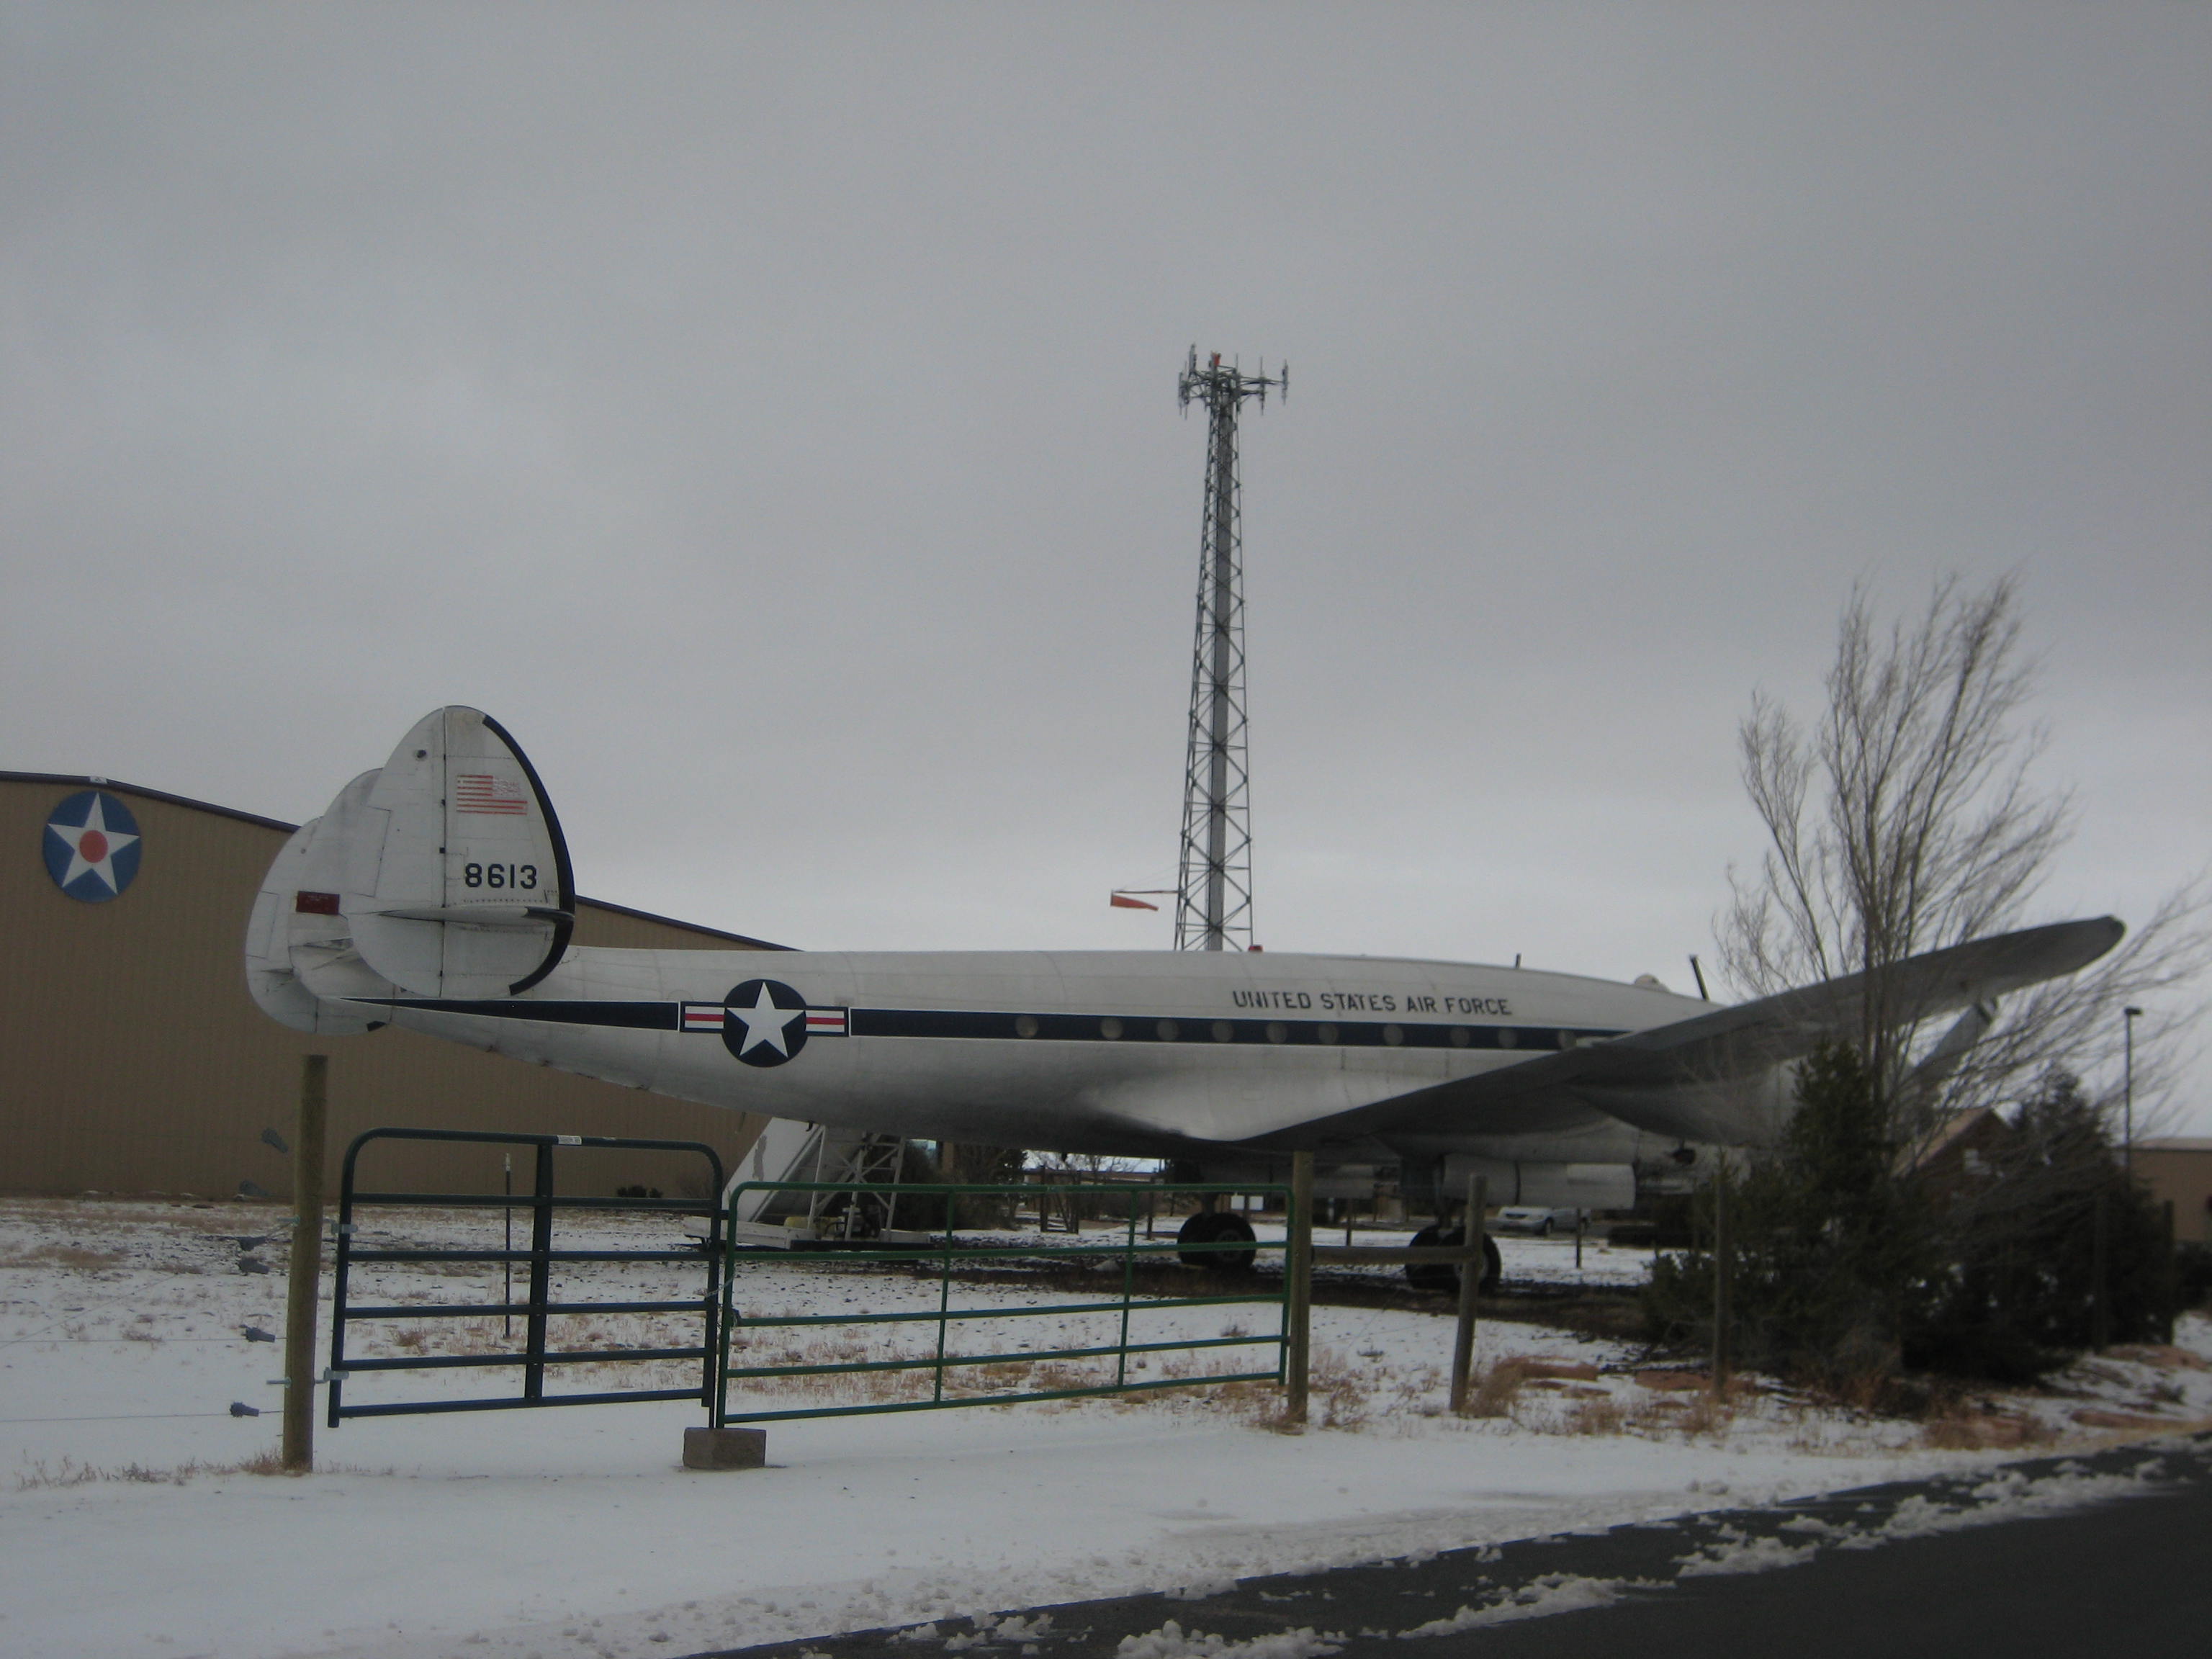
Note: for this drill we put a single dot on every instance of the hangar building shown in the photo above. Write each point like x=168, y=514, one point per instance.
x=2178, y=1169
x=133, y=1061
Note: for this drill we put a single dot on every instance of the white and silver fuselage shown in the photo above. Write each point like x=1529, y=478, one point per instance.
x=1146, y=1053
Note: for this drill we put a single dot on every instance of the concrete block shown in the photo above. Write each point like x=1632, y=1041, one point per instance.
x=725, y=1449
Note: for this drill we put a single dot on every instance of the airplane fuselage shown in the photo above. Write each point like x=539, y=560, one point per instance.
x=1144, y=1054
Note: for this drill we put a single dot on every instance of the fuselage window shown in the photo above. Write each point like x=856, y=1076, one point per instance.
x=1278, y=1032
x=1394, y=1034
x=1025, y=1025
x=1110, y=1027
x=1168, y=1030
x=1460, y=1037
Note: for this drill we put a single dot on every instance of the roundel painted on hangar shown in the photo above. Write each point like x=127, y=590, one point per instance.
x=92, y=846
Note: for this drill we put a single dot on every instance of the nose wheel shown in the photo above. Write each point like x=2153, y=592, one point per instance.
x=1216, y=1227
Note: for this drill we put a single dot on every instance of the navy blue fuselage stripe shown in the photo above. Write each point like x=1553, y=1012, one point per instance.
x=1198, y=1028
x=632, y=1016
x=1063, y=1028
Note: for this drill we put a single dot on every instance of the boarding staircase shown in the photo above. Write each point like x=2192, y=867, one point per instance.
x=839, y=1161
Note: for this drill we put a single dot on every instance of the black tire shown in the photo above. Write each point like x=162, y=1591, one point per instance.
x=1441, y=1276
x=1545, y=1231
x=1217, y=1227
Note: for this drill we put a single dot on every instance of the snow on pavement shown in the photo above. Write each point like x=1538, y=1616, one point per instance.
x=575, y=1531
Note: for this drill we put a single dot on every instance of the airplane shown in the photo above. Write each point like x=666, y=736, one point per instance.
x=436, y=894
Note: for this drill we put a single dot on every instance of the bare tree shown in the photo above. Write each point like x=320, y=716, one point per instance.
x=1909, y=819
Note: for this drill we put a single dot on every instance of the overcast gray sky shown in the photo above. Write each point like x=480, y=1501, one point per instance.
x=767, y=412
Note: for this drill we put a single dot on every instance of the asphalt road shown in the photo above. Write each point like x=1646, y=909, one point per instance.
x=2073, y=1555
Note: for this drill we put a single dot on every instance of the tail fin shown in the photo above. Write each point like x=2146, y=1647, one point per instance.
x=466, y=889
x=301, y=962
x=443, y=874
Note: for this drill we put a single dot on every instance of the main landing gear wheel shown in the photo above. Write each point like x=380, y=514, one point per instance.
x=1442, y=1276
x=1217, y=1227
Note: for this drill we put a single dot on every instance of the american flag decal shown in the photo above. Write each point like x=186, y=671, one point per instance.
x=480, y=792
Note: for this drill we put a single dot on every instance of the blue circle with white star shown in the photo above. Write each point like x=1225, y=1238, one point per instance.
x=764, y=1021
x=91, y=845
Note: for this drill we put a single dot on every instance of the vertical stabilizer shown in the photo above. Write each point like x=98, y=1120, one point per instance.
x=301, y=964
x=460, y=886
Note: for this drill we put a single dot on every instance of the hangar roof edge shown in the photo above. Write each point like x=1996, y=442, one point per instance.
x=676, y=921
x=123, y=788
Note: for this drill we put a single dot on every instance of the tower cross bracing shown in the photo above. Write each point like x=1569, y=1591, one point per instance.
x=1213, y=902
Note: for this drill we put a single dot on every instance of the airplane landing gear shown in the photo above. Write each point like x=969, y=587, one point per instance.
x=1217, y=1227
x=1444, y=1277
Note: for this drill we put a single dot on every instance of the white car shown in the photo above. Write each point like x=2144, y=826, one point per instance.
x=1537, y=1219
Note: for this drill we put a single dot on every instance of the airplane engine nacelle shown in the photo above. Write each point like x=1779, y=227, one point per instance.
x=1561, y=1186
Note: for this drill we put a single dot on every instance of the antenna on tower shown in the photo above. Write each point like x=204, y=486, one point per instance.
x=1213, y=906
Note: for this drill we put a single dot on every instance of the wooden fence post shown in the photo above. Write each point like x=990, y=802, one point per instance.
x=1724, y=1271
x=1297, y=1267
x=1470, y=1282
x=304, y=1274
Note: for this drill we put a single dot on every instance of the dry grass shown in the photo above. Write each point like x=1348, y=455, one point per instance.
x=2161, y=1355
x=1587, y=1409
x=1960, y=1426
x=63, y=1255
x=1704, y=1414
x=70, y=1473
x=1340, y=1389
x=1496, y=1389
x=1596, y=1416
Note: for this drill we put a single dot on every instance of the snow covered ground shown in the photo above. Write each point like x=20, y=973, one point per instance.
x=130, y=1524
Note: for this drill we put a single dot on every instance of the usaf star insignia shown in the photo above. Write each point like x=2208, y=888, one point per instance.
x=763, y=1022
x=92, y=846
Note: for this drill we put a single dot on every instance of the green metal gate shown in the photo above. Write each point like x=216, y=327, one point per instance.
x=542, y=1303
x=944, y=1375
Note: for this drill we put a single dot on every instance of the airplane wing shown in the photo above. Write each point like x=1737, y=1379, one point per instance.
x=1688, y=1078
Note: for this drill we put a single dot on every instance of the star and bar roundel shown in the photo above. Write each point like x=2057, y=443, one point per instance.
x=763, y=1022
x=91, y=845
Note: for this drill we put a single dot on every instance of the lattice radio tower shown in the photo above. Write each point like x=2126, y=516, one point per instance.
x=1213, y=905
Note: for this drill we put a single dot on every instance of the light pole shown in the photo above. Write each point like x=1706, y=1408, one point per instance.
x=2128, y=1018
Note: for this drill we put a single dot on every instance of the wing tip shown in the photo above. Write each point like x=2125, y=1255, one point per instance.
x=2092, y=937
